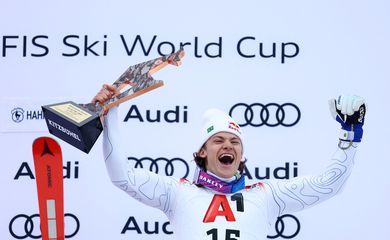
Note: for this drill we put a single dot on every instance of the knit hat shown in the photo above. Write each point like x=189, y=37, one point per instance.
x=215, y=121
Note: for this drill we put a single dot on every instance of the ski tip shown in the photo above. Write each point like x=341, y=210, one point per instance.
x=47, y=139
x=45, y=145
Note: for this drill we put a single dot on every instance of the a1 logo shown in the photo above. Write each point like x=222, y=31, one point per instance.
x=220, y=206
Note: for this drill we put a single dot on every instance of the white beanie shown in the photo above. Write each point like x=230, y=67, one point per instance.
x=215, y=121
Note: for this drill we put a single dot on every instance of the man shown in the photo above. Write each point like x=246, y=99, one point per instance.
x=217, y=204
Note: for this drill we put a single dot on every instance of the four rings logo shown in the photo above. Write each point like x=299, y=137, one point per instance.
x=294, y=226
x=24, y=226
x=172, y=167
x=271, y=114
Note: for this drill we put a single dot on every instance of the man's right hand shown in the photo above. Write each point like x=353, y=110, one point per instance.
x=105, y=93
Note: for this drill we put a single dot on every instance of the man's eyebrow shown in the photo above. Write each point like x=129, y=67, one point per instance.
x=219, y=137
x=229, y=138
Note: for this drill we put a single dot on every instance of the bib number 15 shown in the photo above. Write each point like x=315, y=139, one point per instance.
x=230, y=234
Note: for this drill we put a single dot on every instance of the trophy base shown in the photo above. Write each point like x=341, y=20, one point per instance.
x=73, y=124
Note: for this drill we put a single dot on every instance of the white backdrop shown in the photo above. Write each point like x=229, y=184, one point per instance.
x=52, y=52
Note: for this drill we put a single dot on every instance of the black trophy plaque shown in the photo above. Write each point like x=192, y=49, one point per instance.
x=80, y=124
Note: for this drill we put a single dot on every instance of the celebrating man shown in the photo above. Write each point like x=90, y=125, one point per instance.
x=217, y=204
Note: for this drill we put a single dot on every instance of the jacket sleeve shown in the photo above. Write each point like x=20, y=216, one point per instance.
x=145, y=186
x=286, y=196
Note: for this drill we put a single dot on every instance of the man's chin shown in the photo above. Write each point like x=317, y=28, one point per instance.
x=226, y=173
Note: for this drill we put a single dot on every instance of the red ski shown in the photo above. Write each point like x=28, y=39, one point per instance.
x=49, y=176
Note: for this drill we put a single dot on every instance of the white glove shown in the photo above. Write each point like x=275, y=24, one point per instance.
x=349, y=111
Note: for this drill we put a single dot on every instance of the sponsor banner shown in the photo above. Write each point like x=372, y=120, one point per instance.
x=20, y=115
x=266, y=114
x=104, y=45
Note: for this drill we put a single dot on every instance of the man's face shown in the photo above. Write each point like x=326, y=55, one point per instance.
x=223, y=152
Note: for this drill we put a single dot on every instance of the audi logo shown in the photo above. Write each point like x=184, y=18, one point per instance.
x=281, y=229
x=23, y=226
x=271, y=114
x=172, y=167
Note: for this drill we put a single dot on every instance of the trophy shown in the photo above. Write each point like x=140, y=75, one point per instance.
x=80, y=124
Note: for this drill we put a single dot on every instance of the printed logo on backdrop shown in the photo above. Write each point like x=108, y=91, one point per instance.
x=28, y=118
x=287, y=171
x=99, y=46
x=24, y=115
x=270, y=115
x=19, y=114
x=286, y=226
x=177, y=114
x=70, y=170
x=24, y=226
x=146, y=227
x=176, y=167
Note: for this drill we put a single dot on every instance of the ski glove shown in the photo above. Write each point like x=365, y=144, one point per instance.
x=349, y=111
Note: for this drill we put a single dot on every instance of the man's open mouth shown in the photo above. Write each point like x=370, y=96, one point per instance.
x=226, y=158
